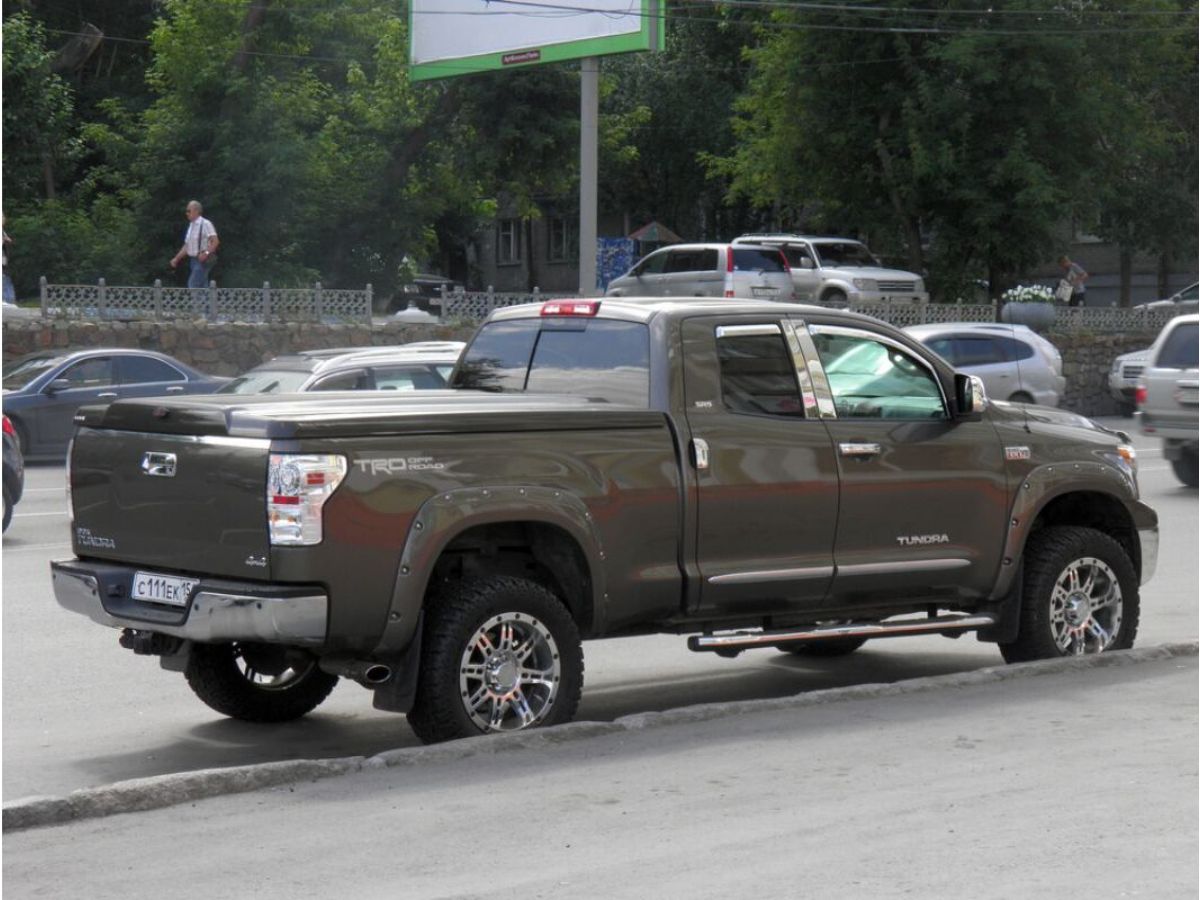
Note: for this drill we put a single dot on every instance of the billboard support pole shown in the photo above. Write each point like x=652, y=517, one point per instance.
x=589, y=170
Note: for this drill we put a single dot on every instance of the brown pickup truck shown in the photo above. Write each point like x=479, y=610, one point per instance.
x=748, y=474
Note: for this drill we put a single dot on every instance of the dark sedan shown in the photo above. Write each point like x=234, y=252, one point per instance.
x=43, y=390
x=14, y=471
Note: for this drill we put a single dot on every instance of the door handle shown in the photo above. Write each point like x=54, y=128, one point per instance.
x=700, y=453
x=175, y=390
x=107, y=395
x=859, y=449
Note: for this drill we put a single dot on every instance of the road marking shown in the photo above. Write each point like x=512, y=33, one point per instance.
x=30, y=490
x=8, y=546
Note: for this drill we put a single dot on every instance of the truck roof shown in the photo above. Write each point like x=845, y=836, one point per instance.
x=644, y=309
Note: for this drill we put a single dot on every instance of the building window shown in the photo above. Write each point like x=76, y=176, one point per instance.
x=563, y=237
x=508, y=242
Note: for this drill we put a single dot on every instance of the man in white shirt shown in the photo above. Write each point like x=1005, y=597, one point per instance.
x=199, y=246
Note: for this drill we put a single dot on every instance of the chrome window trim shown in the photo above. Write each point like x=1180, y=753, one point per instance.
x=816, y=372
x=891, y=342
x=765, y=329
x=812, y=408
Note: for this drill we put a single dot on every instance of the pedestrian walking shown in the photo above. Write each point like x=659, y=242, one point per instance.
x=200, y=244
x=10, y=292
x=1075, y=276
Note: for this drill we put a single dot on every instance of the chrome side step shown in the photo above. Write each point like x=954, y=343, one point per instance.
x=737, y=641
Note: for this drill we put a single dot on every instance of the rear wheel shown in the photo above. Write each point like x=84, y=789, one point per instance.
x=501, y=654
x=1185, y=468
x=257, y=682
x=1080, y=596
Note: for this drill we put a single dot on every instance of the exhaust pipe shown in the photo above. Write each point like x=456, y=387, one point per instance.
x=366, y=672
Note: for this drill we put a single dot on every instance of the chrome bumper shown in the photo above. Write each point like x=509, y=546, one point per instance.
x=1148, y=538
x=215, y=614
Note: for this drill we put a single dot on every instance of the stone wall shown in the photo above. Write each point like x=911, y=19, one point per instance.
x=233, y=348
x=1086, y=361
x=228, y=349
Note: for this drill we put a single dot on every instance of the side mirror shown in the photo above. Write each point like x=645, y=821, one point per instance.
x=970, y=396
x=58, y=384
x=806, y=263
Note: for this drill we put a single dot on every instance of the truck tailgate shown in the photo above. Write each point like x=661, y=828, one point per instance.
x=193, y=503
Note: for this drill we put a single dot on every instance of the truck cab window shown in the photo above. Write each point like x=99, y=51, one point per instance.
x=757, y=372
x=871, y=378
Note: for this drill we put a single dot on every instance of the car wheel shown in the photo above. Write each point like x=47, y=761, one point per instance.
x=828, y=647
x=498, y=654
x=834, y=297
x=1020, y=397
x=257, y=682
x=8, y=506
x=1185, y=468
x=1080, y=595
x=22, y=436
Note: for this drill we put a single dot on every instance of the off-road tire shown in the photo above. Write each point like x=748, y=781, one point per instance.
x=828, y=647
x=440, y=709
x=1048, y=555
x=216, y=678
x=1185, y=469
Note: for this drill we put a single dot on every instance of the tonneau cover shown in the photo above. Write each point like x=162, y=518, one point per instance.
x=362, y=414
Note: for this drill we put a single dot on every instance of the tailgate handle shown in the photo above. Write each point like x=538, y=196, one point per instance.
x=160, y=464
x=859, y=449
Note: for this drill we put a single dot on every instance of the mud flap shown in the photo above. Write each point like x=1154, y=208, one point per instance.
x=1007, y=611
x=398, y=692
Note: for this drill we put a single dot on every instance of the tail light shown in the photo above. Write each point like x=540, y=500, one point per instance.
x=70, y=499
x=1139, y=395
x=571, y=308
x=297, y=487
x=8, y=427
x=728, y=272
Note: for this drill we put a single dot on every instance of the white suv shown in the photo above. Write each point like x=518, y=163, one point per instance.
x=839, y=270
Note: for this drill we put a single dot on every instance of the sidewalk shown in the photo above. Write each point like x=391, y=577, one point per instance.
x=1065, y=784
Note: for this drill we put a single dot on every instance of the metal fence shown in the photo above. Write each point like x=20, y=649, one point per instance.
x=215, y=304
x=478, y=304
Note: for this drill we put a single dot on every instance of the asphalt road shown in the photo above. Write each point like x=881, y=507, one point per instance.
x=79, y=711
x=1070, y=785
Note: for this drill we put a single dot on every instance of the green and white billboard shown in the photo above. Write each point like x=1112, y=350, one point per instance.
x=460, y=37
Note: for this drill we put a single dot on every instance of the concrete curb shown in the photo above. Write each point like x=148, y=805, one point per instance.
x=170, y=790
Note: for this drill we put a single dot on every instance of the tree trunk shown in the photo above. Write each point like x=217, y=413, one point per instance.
x=1164, y=275
x=1126, y=263
x=48, y=175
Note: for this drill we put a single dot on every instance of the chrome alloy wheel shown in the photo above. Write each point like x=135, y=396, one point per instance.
x=268, y=666
x=509, y=673
x=1085, y=607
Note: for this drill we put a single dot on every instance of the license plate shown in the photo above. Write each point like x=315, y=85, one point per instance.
x=758, y=291
x=163, y=588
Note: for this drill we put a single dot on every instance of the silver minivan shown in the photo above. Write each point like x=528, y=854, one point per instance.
x=708, y=270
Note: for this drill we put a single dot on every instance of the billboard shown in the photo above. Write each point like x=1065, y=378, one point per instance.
x=459, y=37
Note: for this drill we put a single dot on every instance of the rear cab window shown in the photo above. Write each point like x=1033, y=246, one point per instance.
x=586, y=357
x=1179, y=350
x=757, y=259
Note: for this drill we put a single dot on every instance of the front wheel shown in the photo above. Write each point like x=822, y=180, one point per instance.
x=257, y=682
x=1080, y=596
x=834, y=297
x=1186, y=469
x=498, y=654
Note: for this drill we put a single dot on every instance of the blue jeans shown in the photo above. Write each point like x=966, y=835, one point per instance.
x=197, y=272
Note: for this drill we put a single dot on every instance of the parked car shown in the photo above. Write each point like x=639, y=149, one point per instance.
x=708, y=270
x=425, y=365
x=424, y=291
x=1124, y=377
x=836, y=270
x=1167, y=398
x=14, y=471
x=42, y=390
x=1014, y=361
x=1185, y=301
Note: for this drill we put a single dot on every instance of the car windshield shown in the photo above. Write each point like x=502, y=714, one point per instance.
x=844, y=253
x=266, y=381
x=20, y=372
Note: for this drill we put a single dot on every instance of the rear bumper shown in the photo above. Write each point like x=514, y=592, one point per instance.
x=217, y=611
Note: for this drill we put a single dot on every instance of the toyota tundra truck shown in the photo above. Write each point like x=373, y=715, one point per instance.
x=745, y=474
